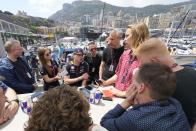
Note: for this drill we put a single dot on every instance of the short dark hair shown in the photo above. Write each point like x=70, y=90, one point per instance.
x=92, y=43
x=60, y=109
x=159, y=78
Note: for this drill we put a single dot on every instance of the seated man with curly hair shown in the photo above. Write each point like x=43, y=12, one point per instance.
x=61, y=109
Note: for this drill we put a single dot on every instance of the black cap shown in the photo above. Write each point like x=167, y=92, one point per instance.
x=78, y=50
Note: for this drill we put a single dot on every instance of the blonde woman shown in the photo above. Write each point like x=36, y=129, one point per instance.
x=134, y=36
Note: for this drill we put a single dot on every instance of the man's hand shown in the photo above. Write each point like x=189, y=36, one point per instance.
x=12, y=109
x=85, y=76
x=100, y=82
x=130, y=96
x=3, y=114
x=8, y=111
x=104, y=83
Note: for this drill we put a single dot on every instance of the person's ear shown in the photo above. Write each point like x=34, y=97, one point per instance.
x=155, y=59
x=141, y=88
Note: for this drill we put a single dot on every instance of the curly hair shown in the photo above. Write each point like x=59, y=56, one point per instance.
x=60, y=109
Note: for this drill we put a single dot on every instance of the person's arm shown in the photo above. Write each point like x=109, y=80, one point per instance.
x=85, y=75
x=12, y=81
x=10, y=94
x=118, y=93
x=46, y=78
x=194, y=127
x=10, y=106
x=49, y=80
x=110, y=81
x=101, y=69
x=95, y=127
x=69, y=80
x=85, y=79
x=59, y=70
x=118, y=118
x=102, y=65
x=13, y=102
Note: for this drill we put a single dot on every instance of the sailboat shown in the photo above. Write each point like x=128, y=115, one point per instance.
x=181, y=47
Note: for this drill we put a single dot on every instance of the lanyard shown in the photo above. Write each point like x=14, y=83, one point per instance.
x=126, y=69
x=112, y=58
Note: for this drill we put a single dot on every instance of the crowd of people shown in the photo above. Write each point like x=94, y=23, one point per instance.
x=160, y=92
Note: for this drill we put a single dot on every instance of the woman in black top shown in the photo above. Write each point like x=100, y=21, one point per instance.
x=49, y=69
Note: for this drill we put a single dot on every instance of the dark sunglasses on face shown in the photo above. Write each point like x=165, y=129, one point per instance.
x=93, y=49
x=79, y=54
x=47, y=54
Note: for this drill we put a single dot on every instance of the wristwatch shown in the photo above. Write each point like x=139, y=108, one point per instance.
x=16, y=100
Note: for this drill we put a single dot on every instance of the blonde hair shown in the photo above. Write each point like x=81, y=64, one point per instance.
x=139, y=33
x=9, y=44
x=152, y=47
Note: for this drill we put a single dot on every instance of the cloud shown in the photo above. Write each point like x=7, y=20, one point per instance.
x=45, y=7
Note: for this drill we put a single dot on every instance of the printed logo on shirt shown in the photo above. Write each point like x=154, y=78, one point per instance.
x=72, y=67
x=82, y=69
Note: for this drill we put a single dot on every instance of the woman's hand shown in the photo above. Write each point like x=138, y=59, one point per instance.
x=57, y=77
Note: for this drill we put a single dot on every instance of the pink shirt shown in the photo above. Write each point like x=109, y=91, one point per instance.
x=124, y=71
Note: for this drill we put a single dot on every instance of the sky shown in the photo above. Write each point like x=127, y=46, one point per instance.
x=45, y=8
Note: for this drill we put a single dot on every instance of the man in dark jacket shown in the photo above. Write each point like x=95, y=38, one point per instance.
x=16, y=71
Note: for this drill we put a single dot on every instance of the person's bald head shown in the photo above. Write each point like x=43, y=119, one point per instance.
x=114, y=39
x=115, y=33
x=152, y=50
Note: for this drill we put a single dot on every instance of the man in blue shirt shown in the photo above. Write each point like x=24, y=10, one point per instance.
x=16, y=71
x=155, y=50
x=152, y=108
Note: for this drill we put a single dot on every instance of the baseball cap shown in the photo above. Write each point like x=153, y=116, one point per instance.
x=78, y=50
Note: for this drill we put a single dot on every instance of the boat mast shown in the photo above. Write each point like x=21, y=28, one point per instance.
x=102, y=22
x=177, y=27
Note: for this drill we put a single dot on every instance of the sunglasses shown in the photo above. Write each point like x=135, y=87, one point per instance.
x=93, y=49
x=79, y=54
x=48, y=54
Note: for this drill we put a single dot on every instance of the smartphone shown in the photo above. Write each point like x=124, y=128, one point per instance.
x=89, y=87
x=99, y=82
